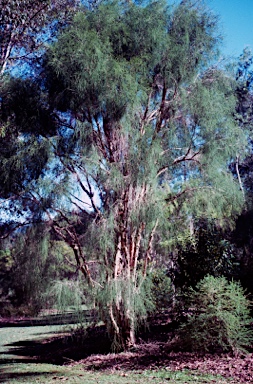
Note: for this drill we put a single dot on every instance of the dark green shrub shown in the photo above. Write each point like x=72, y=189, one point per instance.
x=219, y=317
x=161, y=289
x=207, y=251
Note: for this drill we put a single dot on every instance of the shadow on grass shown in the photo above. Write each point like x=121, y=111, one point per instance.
x=52, y=319
x=157, y=349
x=59, y=349
x=17, y=375
x=93, y=349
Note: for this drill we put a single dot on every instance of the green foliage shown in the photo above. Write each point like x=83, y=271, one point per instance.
x=161, y=289
x=29, y=276
x=193, y=36
x=27, y=122
x=153, y=133
x=36, y=265
x=244, y=88
x=219, y=317
x=26, y=25
x=112, y=57
x=206, y=251
x=145, y=131
x=6, y=260
x=123, y=302
x=66, y=294
x=6, y=264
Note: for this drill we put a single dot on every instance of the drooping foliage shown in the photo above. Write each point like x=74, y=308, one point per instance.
x=30, y=270
x=26, y=26
x=34, y=268
x=140, y=126
x=152, y=132
x=25, y=123
x=26, y=119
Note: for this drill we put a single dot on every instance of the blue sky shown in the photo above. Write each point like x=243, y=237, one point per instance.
x=236, y=21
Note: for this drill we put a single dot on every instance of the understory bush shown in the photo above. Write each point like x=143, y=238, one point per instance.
x=219, y=317
x=161, y=289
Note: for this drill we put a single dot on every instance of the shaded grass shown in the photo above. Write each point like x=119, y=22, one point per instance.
x=12, y=339
x=58, y=347
x=36, y=355
x=48, y=373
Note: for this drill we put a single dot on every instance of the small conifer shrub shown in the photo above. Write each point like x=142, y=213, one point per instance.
x=219, y=317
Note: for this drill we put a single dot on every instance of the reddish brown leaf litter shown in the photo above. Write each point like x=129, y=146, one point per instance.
x=154, y=356
x=225, y=365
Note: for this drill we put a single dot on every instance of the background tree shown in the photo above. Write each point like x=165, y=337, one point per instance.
x=35, y=267
x=208, y=251
x=27, y=25
x=244, y=82
x=212, y=247
x=242, y=168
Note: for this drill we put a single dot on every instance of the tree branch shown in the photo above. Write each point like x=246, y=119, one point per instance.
x=239, y=176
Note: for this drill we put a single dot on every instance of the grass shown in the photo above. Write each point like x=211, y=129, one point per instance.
x=10, y=337
x=20, y=344
x=51, y=374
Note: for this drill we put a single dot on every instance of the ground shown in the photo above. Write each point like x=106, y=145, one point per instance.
x=30, y=350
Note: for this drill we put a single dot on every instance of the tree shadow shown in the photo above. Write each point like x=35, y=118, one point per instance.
x=58, y=349
x=5, y=375
x=91, y=347
x=158, y=348
x=51, y=319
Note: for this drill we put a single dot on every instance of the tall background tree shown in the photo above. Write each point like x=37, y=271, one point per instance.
x=242, y=167
x=26, y=119
x=26, y=26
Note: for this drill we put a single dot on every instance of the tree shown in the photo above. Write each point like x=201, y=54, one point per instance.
x=34, y=270
x=242, y=167
x=244, y=82
x=150, y=132
x=244, y=112
x=139, y=135
x=26, y=25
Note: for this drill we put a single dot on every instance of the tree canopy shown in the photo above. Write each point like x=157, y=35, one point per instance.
x=27, y=25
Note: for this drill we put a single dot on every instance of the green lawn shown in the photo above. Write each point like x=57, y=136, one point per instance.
x=11, y=336
x=20, y=344
x=51, y=374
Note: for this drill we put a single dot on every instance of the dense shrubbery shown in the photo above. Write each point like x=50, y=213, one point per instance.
x=220, y=317
x=161, y=289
